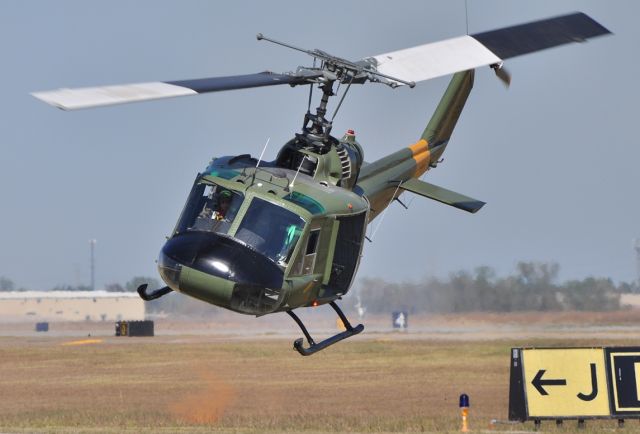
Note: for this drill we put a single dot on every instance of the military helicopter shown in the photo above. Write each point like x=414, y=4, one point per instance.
x=260, y=237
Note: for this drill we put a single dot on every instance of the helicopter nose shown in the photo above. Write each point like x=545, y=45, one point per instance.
x=217, y=255
x=169, y=270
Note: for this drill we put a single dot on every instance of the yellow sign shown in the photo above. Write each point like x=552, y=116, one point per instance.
x=565, y=382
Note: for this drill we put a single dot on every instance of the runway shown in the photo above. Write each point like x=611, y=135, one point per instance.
x=221, y=376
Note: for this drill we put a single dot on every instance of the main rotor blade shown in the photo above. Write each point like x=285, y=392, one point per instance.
x=85, y=97
x=446, y=57
x=539, y=35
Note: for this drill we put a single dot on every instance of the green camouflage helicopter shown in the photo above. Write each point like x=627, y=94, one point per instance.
x=261, y=237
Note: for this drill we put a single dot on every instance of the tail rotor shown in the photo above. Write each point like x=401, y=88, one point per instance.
x=502, y=73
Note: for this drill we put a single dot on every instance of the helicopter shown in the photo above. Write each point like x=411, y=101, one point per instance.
x=261, y=237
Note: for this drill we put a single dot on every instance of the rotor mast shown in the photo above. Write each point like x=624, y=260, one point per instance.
x=316, y=129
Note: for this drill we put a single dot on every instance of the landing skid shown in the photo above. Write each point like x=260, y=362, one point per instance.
x=315, y=347
x=147, y=296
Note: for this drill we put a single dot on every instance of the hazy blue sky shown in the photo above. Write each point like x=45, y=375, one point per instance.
x=555, y=156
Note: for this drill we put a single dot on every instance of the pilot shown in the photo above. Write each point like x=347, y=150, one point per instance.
x=224, y=201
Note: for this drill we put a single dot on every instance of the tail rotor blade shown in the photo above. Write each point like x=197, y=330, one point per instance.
x=503, y=74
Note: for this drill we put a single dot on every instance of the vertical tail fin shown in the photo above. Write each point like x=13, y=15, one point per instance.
x=446, y=116
x=378, y=180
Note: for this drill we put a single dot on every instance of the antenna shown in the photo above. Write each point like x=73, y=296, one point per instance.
x=393, y=197
x=466, y=14
x=92, y=247
x=262, y=153
x=297, y=171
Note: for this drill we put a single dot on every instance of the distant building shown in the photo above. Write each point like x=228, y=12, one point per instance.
x=22, y=306
x=630, y=300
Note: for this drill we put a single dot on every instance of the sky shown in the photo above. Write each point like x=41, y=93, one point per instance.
x=554, y=156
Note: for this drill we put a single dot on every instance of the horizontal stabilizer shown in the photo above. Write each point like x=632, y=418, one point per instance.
x=442, y=195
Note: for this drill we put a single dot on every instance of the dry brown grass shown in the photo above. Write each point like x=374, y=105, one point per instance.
x=202, y=384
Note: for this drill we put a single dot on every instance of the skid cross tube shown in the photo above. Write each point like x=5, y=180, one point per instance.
x=302, y=327
x=344, y=319
x=315, y=347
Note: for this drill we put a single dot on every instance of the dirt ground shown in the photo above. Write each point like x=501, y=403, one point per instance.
x=200, y=377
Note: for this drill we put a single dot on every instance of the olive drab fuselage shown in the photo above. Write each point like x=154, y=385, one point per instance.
x=295, y=237
x=296, y=229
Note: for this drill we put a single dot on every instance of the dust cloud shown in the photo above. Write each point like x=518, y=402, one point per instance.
x=207, y=403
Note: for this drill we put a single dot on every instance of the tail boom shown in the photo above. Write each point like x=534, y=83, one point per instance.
x=421, y=156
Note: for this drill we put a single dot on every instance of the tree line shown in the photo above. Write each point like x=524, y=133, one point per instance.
x=532, y=287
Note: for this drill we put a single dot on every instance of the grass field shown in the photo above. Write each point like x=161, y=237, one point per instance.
x=187, y=383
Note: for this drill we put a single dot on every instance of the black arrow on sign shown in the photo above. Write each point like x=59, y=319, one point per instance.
x=538, y=382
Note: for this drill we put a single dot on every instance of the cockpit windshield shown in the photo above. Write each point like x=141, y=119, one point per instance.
x=271, y=230
x=210, y=208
